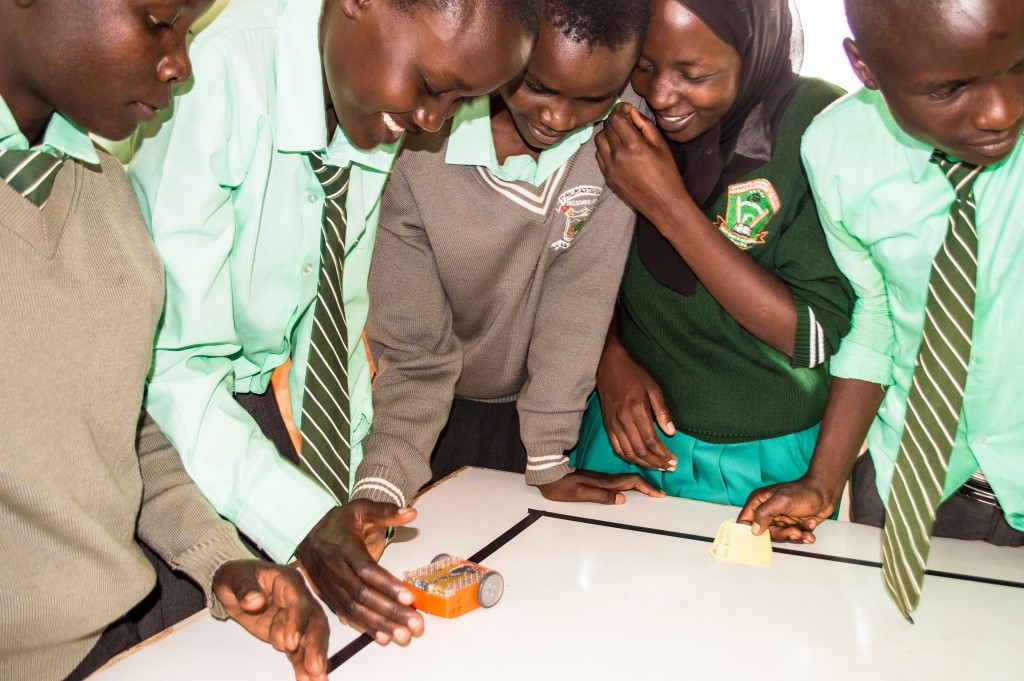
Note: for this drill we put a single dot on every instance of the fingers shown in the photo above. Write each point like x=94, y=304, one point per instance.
x=619, y=125
x=336, y=556
x=369, y=595
x=660, y=409
x=397, y=517
x=237, y=587
x=648, y=130
x=616, y=127
x=644, y=444
x=632, y=481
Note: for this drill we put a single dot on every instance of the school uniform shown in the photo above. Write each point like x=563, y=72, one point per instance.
x=492, y=284
x=235, y=210
x=746, y=415
x=886, y=209
x=82, y=480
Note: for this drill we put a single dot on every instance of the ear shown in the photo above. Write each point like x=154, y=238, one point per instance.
x=353, y=8
x=861, y=68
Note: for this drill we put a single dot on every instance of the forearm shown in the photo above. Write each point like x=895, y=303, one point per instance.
x=849, y=411
x=758, y=300
x=175, y=520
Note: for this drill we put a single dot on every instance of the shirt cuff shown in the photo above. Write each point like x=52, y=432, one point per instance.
x=283, y=510
x=862, y=363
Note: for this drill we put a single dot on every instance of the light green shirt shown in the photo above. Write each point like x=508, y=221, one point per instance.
x=60, y=135
x=885, y=209
x=471, y=143
x=235, y=212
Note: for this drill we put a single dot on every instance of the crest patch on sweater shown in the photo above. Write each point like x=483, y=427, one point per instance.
x=750, y=207
x=576, y=204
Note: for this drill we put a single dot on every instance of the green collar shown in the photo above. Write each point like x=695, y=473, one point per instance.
x=61, y=135
x=471, y=143
x=300, y=106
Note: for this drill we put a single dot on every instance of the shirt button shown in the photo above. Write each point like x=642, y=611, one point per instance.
x=311, y=198
x=307, y=268
x=981, y=440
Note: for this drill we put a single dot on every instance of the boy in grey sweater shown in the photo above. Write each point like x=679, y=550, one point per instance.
x=84, y=479
x=495, y=271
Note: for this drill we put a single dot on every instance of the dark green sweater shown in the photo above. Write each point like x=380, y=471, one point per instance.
x=722, y=383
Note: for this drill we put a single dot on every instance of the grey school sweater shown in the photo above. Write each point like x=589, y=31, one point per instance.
x=81, y=290
x=487, y=290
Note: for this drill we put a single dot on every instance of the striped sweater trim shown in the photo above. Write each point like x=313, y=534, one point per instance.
x=383, y=486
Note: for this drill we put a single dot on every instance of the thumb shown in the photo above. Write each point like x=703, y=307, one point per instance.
x=768, y=505
x=392, y=516
x=645, y=125
x=237, y=583
x=660, y=409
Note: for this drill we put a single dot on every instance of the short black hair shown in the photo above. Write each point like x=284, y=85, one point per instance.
x=526, y=13
x=608, y=23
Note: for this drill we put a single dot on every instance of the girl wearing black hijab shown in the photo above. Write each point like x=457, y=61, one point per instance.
x=731, y=303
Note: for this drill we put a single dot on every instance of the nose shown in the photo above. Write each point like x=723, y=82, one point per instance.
x=433, y=112
x=558, y=116
x=175, y=66
x=1002, y=105
x=662, y=92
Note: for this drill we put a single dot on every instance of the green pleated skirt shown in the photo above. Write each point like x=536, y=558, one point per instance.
x=720, y=473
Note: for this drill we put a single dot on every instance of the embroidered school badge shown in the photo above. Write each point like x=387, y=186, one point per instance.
x=751, y=205
x=576, y=204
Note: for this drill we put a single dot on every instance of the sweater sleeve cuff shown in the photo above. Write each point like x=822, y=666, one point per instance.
x=203, y=560
x=545, y=465
x=392, y=471
x=810, y=349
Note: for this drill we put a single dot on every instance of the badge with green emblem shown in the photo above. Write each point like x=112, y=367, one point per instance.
x=751, y=205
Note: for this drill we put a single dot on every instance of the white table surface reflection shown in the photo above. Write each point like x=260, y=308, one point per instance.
x=595, y=592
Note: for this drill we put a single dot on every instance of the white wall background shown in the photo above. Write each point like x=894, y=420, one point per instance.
x=825, y=26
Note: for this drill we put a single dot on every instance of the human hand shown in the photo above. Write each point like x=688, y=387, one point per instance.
x=631, y=402
x=340, y=555
x=636, y=162
x=599, y=488
x=790, y=511
x=272, y=603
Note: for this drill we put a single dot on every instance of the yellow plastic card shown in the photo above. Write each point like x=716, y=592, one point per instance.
x=735, y=542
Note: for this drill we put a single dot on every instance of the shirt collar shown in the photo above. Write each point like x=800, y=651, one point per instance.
x=471, y=143
x=61, y=135
x=299, y=110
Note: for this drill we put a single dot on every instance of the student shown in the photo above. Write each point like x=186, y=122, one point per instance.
x=730, y=305
x=228, y=188
x=495, y=271
x=946, y=76
x=84, y=480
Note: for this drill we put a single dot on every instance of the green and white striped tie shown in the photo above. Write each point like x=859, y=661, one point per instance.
x=936, y=397
x=325, y=405
x=30, y=172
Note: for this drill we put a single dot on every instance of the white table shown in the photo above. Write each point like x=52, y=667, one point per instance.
x=594, y=592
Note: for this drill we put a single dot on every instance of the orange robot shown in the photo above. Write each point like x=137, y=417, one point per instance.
x=451, y=586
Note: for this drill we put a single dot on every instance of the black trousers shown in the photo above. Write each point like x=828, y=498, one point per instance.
x=175, y=595
x=958, y=517
x=483, y=434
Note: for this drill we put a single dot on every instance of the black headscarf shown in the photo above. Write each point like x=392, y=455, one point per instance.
x=768, y=39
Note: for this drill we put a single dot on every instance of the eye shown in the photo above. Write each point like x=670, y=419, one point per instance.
x=157, y=22
x=533, y=87
x=643, y=68
x=946, y=93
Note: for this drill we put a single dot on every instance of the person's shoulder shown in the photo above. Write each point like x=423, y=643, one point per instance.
x=230, y=25
x=851, y=120
x=815, y=94
x=422, y=157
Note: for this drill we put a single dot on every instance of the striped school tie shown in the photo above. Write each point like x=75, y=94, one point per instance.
x=325, y=404
x=936, y=397
x=31, y=172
